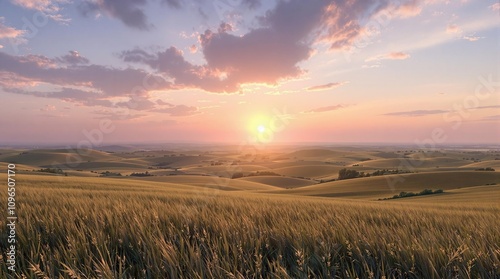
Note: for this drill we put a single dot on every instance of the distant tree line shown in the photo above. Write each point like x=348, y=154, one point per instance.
x=53, y=170
x=486, y=169
x=108, y=173
x=411, y=194
x=141, y=174
x=349, y=174
x=258, y=173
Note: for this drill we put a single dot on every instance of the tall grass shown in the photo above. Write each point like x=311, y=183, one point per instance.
x=85, y=228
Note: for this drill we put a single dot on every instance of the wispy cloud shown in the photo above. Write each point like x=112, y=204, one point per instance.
x=72, y=58
x=453, y=29
x=491, y=118
x=178, y=110
x=495, y=7
x=472, y=38
x=130, y=12
x=416, y=112
x=49, y=8
x=7, y=32
x=48, y=108
x=90, y=85
x=422, y=112
x=398, y=55
x=324, y=109
x=327, y=86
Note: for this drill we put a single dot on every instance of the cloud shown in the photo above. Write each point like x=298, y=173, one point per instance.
x=7, y=32
x=491, y=118
x=409, y=9
x=414, y=113
x=324, y=109
x=178, y=110
x=49, y=8
x=372, y=66
x=117, y=115
x=268, y=53
x=489, y=107
x=472, y=38
x=48, y=108
x=88, y=85
x=73, y=58
x=129, y=12
x=399, y=55
x=173, y=3
x=39, y=5
x=193, y=49
x=495, y=7
x=453, y=29
x=327, y=86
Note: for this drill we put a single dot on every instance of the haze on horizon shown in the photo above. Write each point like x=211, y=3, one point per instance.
x=225, y=71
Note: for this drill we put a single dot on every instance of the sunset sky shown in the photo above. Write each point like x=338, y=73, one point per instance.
x=228, y=70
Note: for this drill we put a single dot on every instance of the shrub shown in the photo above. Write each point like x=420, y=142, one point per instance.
x=237, y=175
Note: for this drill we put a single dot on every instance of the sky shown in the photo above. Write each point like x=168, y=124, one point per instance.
x=97, y=72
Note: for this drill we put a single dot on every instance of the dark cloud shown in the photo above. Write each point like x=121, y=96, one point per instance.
x=172, y=63
x=81, y=97
x=88, y=85
x=108, y=81
x=130, y=12
x=489, y=107
x=73, y=58
x=269, y=53
x=173, y=3
x=491, y=118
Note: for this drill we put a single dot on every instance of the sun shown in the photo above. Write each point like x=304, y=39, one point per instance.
x=261, y=128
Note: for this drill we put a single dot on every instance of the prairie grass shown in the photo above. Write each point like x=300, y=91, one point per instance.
x=110, y=228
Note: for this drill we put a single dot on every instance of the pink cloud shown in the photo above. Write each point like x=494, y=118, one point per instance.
x=327, y=86
x=471, y=38
x=96, y=84
x=453, y=29
x=495, y=7
x=7, y=32
x=193, y=49
x=409, y=9
x=72, y=58
x=398, y=55
x=267, y=54
x=48, y=108
x=50, y=8
x=324, y=109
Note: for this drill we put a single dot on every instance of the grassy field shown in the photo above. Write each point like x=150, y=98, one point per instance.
x=188, y=219
x=82, y=227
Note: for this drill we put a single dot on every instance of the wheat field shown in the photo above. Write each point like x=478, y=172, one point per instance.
x=76, y=227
